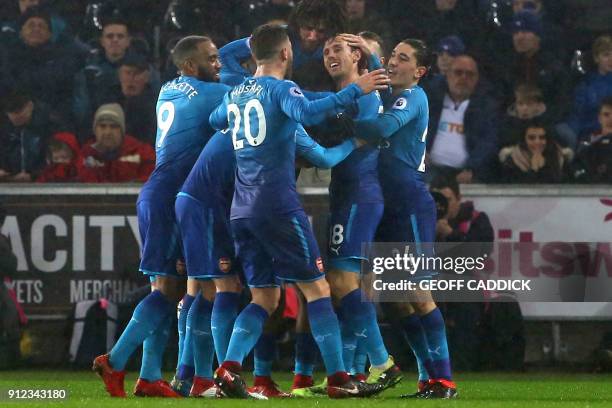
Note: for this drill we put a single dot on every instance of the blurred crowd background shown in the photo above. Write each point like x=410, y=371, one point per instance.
x=521, y=91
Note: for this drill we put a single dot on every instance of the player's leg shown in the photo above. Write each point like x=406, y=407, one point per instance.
x=423, y=222
x=185, y=366
x=350, y=227
x=225, y=310
x=305, y=351
x=297, y=259
x=199, y=332
x=264, y=354
x=265, y=295
x=182, y=310
x=150, y=382
x=159, y=253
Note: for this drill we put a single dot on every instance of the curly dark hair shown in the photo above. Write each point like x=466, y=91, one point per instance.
x=328, y=14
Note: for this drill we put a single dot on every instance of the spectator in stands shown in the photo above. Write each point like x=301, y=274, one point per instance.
x=114, y=156
x=462, y=137
x=528, y=104
x=537, y=158
x=528, y=62
x=138, y=97
x=46, y=68
x=59, y=28
x=25, y=129
x=583, y=119
x=552, y=35
x=594, y=154
x=446, y=51
x=100, y=72
x=63, y=154
x=362, y=16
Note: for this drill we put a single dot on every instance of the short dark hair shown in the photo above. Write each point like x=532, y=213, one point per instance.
x=424, y=56
x=372, y=36
x=530, y=92
x=328, y=13
x=442, y=181
x=267, y=40
x=607, y=101
x=186, y=47
x=115, y=20
x=15, y=99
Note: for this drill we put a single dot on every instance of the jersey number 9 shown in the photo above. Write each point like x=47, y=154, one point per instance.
x=234, y=110
x=165, y=117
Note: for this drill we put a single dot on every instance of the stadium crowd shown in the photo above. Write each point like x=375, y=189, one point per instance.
x=521, y=91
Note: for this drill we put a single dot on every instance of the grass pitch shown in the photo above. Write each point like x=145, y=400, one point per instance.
x=532, y=390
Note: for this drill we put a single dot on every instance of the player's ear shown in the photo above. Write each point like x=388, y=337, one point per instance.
x=284, y=54
x=420, y=72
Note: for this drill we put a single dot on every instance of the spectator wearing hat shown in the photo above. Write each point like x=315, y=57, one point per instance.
x=583, y=118
x=446, y=51
x=47, y=69
x=59, y=28
x=114, y=156
x=553, y=37
x=63, y=156
x=528, y=62
x=462, y=137
x=26, y=127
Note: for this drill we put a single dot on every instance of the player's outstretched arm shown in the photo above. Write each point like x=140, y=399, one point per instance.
x=320, y=156
x=386, y=124
x=295, y=105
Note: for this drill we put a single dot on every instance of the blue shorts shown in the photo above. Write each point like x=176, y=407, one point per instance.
x=411, y=219
x=160, y=237
x=207, y=242
x=349, y=228
x=282, y=248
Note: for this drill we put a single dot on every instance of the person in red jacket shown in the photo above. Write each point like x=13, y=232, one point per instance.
x=63, y=154
x=114, y=157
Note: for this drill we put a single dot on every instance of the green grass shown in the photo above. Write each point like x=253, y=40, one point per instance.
x=532, y=390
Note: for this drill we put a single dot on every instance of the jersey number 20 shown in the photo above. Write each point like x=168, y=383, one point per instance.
x=234, y=110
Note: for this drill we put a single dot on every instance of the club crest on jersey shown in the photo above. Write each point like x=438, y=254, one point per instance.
x=225, y=265
x=319, y=263
x=400, y=103
x=295, y=91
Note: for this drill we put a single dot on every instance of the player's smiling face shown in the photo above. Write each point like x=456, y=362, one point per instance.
x=340, y=59
x=402, y=67
x=207, y=62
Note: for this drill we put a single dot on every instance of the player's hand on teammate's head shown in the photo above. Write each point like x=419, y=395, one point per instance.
x=357, y=42
x=359, y=142
x=373, y=81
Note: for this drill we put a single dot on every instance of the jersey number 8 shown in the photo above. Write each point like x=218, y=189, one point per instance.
x=234, y=110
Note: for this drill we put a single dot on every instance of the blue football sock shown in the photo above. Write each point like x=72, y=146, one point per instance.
x=326, y=332
x=415, y=334
x=153, y=351
x=360, y=359
x=305, y=354
x=225, y=310
x=247, y=329
x=203, y=347
x=264, y=353
x=147, y=316
x=182, y=321
x=360, y=315
x=433, y=324
x=349, y=342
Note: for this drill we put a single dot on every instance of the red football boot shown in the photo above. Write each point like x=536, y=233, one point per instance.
x=159, y=388
x=266, y=387
x=113, y=380
x=302, y=381
x=203, y=388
